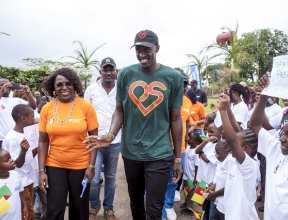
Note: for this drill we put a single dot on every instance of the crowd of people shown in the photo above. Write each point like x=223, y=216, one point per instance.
x=156, y=118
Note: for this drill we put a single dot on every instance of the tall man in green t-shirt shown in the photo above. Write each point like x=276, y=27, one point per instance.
x=148, y=105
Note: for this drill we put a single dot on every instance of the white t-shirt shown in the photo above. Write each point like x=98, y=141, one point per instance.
x=104, y=105
x=220, y=179
x=272, y=111
x=276, y=193
x=11, y=143
x=10, y=201
x=206, y=171
x=240, y=190
x=241, y=113
x=191, y=160
x=6, y=121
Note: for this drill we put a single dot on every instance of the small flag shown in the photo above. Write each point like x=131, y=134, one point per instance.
x=202, y=184
x=188, y=186
x=199, y=214
x=4, y=206
x=197, y=196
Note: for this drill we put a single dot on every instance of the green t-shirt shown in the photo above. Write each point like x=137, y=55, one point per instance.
x=147, y=99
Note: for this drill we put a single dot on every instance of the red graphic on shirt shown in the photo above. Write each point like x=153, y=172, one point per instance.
x=3, y=107
x=142, y=35
x=148, y=90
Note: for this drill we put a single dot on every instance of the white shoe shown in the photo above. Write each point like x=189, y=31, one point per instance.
x=177, y=196
x=171, y=214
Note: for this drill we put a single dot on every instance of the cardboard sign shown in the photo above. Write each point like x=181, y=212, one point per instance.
x=31, y=133
x=279, y=78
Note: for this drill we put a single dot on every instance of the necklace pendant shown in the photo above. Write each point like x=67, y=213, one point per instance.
x=51, y=120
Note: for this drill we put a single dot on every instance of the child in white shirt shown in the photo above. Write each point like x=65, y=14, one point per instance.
x=190, y=167
x=10, y=190
x=276, y=153
x=15, y=143
x=244, y=175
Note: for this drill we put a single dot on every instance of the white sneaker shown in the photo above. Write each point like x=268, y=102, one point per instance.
x=171, y=214
x=177, y=196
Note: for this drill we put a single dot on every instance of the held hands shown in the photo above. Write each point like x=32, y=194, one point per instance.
x=224, y=102
x=264, y=81
x=97, y=141
x=24, y=145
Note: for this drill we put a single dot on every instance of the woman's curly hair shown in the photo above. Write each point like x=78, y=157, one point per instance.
x=70, y=74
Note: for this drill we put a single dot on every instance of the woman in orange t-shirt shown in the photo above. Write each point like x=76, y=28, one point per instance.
x=64, y=161
x=198, y=113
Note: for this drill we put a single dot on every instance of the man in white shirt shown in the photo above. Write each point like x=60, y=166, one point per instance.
x=102, y=96
x=7, y=103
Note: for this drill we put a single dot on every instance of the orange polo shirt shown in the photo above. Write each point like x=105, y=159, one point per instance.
x=66, y=148
x=198, y=113
x=186, y=116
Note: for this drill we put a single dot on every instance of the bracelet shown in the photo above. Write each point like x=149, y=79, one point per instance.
x=178, y=158
x=177, y=161
x=92, y=166
x=41, y=170
x=112, y=134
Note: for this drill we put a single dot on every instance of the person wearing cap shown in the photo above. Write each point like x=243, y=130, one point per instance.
x=148, y=105
x=187, y=121
x=102, y=96
x=201, y=95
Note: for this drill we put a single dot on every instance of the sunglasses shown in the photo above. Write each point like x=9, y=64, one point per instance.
x=61, y=85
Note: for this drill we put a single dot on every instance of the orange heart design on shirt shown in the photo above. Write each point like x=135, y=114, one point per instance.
x=148, y=90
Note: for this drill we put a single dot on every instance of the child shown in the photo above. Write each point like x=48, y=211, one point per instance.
x=18, y=147
x=208, y=120
x=244, y=175
x=11, y=190
x=190, y=167
x=275, y=151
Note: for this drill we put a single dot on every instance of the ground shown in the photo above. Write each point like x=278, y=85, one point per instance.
x=121, y=201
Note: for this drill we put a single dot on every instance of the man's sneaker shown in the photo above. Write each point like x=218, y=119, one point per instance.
x=171, y=214
x=109, y=214
x=94, y=211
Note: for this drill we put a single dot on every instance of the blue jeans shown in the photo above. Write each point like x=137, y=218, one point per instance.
x=170, y=192
x=213, y=212
x=109, y=157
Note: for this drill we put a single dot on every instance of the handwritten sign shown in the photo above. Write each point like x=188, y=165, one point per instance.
x=31, y=133
x=279, y=78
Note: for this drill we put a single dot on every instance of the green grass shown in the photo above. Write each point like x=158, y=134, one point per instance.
x=210, y=101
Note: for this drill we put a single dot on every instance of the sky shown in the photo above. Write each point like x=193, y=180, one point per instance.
x=47, y=29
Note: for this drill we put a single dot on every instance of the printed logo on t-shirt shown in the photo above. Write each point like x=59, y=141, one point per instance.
x=5, y=194
x=2, y=107
x=230, y=176
x=148, y=90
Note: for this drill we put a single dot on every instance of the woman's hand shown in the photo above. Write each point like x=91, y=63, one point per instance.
x=89, y=174
x=43, y=181
x=97, y=141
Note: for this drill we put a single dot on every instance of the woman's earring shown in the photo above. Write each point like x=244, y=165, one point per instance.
x=75, y=93
x=54, y=94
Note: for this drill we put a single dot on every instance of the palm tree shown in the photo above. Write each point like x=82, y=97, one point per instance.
x=234, y=53
x=84, y=59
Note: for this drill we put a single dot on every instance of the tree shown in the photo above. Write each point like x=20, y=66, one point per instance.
x=262, y=45
x=233, y=54
x=84, y=59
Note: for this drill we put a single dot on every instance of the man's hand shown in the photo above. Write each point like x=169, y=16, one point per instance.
x=97, y=141
x=223, y=101
x=214, y=108
x=5, y=88
x=177, y=172
x=24, y=145
x=25, y=88
x=264, y=81
x=89, y=174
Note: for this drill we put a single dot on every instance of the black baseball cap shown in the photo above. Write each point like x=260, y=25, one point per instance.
x=185, y=79
x=145, y=38
x=107, y=61
x=194, y=81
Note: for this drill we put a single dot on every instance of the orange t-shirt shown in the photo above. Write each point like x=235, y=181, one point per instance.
x=186, y=116
x=66, y=148
x=198, y=113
